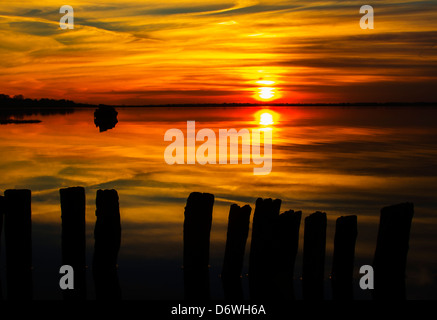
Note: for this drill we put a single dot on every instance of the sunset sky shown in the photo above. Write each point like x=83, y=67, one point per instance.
x=180, y=51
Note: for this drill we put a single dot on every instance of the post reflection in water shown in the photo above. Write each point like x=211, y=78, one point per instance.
x=342, y=161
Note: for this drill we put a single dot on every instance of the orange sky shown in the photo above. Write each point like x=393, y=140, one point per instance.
x=144, y=52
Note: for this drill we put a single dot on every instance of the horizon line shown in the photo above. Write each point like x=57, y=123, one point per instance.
x=19, y=98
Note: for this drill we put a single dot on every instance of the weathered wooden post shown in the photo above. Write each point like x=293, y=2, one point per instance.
x=261, y=267
x=107, y=237
x=238, y=230
x=343, y=258
x=392, y=246
x=73, y=239
x=314, y=256
x=286, y=244
x=18, y=243
x=196, y=236
x=2, y=209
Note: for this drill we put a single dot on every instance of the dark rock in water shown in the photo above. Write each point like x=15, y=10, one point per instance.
x=105, y=117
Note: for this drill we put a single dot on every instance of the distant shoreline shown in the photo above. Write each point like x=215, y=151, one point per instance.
x=18, y=121
x=19, y=102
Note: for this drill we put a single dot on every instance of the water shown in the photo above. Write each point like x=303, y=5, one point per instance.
x=338, y=160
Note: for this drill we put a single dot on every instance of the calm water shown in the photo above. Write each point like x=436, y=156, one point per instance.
x=337, y=160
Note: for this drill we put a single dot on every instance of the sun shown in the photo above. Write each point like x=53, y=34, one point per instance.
x=266, y=119
x=266, y=93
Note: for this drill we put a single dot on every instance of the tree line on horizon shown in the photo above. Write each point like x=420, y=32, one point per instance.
x=19, y=101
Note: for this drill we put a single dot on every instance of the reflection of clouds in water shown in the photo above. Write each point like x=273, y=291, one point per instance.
x=340, y=161
x=326, y=164
x=363, y=158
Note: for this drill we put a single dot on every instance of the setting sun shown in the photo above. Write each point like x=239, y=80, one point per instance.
x=266, y=93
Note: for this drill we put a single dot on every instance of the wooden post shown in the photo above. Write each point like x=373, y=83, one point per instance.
x=392, y=246
x=261, y=267
x=238, y=230
x=197, y=229
x=107, y=237
x=73, y=239
x=314, y=256
x=286, y=244
x=2, y=209
x=343, y=258
x=18, y=243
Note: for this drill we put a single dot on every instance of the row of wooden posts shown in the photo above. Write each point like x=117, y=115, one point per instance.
x=273, y=248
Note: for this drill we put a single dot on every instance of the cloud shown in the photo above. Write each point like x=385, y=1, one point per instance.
x=185, y=51
x=171, y=10
x=33, y=28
